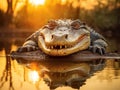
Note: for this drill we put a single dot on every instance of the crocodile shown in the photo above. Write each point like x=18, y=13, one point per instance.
x=64, y=37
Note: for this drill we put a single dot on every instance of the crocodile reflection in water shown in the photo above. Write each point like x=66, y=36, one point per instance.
x=56, y=74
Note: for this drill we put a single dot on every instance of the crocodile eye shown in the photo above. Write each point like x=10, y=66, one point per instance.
x=52, y=24
x=76, y=24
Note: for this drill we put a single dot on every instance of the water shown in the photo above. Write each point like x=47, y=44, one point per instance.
x=19, y=74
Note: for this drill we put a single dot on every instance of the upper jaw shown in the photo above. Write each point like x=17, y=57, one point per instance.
x=63, y=49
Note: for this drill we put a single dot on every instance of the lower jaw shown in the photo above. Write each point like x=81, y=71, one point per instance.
x=63, y=52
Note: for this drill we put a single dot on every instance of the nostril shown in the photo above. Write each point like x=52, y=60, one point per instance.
x=66, y=36
x=52, y=36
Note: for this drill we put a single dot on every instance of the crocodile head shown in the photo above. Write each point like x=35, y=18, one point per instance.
x=63, y=37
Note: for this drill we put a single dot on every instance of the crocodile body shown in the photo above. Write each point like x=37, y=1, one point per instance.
x=64, y=37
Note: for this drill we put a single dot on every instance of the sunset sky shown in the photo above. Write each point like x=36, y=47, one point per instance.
x=87, y=4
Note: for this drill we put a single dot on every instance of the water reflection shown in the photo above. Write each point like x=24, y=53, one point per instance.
x=56, y=74
x=6, y=73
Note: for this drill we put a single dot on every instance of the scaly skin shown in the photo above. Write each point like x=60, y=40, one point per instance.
x=64, y=37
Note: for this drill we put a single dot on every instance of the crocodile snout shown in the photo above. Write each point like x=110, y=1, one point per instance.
x=59, y=37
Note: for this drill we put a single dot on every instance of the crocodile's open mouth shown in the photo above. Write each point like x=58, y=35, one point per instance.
x=64, y=49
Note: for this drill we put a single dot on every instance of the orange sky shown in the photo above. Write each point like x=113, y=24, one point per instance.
x=87, y=4
x=3, y=5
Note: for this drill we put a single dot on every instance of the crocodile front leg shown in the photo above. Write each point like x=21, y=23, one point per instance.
x=30, y=44
x=98, y=46
x=98, y=43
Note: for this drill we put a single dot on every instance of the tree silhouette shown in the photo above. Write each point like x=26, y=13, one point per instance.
x=9, y=13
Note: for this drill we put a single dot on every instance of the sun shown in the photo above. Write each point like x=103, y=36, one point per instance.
x=37, y=2
x=33, y=76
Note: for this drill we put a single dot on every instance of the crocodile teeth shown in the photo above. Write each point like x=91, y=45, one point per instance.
x=60, y=47
x=65, y=46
